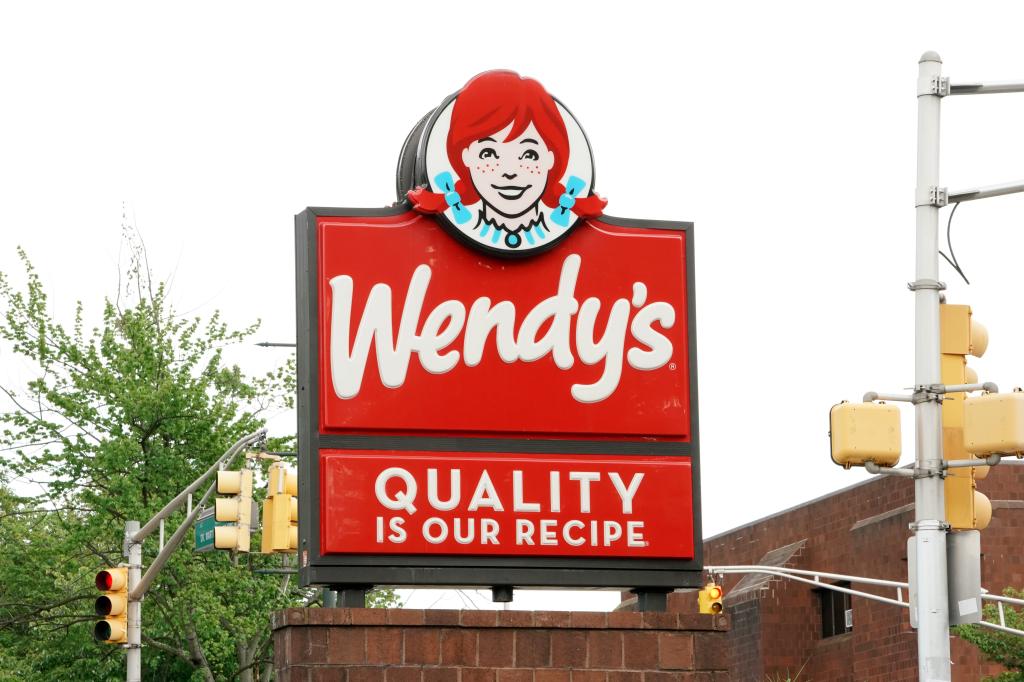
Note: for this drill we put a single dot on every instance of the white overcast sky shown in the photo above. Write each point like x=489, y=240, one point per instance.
x=786, y=131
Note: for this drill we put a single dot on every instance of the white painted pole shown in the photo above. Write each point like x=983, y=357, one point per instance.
x=929, y=527
x=134, y=655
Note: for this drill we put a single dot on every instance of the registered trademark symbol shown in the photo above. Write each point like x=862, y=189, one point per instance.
x=672, y=366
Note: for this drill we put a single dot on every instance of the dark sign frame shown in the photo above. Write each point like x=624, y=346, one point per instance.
x=362, y=571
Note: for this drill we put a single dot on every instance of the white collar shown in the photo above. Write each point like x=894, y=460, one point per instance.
x=523, y=222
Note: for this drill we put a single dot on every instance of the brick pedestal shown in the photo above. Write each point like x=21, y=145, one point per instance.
x=413, y=645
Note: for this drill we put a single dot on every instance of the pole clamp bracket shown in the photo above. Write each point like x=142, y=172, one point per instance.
x=929, y=525
x=932, y=284
x=936, y=86
x=933, y=196
x=925, y=394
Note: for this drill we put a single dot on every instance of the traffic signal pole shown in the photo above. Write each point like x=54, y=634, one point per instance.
x=138, y=584
x=929, y=523
x=930, y=526
x=870, y=437
x=133, y=655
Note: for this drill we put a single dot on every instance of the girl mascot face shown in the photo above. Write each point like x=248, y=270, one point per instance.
x=503, y=167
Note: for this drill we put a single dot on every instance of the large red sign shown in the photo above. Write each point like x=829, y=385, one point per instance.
x=496, y=379
x=417, y=333
x=505, y=504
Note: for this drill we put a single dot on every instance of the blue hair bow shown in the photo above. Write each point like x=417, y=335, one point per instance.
x=560, y=216
x=445, y=182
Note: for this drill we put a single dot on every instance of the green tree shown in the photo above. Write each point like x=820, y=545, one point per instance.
x=1000, y=647
x=112, y=424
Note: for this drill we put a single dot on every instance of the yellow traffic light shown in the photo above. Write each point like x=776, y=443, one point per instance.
x=281, y=510
x=865, y=432
x=710, y=598
x=960, y=336
x=236, y=509
x=112, y=605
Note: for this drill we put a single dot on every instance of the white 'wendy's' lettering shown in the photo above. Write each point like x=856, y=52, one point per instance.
x=446, y=321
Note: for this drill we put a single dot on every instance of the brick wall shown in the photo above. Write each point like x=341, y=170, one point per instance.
x=861, y=531
x=414, y=645
x=745, y=642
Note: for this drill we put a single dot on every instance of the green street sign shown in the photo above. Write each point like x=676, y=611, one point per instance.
x=204, y=530
x=206, y=523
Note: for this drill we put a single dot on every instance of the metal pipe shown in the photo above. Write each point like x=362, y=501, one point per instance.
x=993, y=626
x=179, y=534
x=173, y=505
x=993, y=88
x=929, y=494
x=990, y=461
x=794, y=574
x=797, y=571
x=873, y=468
x=834, y=588
x=872, y=396
x=1003, y=600
x=988, y=386
x=985, y=192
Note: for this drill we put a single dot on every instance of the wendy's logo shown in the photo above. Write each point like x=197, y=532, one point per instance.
x=503, y=165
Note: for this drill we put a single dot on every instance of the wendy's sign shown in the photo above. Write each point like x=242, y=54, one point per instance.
x=496, y=381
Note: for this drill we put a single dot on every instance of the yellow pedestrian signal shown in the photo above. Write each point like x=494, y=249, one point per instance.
x=959, y=336
x=112, y=605
x=994, y=423
x=865, y=432
x=710, y=598
x=235, y=510
x=281, y=511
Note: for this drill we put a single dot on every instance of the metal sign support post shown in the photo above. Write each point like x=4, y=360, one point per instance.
x=929, y=494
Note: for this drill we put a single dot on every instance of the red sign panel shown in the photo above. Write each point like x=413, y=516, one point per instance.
x=504, y=504
x=420, y=334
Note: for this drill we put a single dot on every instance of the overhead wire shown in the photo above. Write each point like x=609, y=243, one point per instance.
x=949, y=242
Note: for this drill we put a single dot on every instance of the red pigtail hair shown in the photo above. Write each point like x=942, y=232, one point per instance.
x=590, y=207
x=425, y=201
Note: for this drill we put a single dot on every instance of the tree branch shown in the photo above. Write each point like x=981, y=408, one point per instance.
x=167, y=648
x=198, y=656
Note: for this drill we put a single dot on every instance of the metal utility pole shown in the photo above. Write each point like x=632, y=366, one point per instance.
x=929, y=501
x=133, y=551
x=928, y=580
x=930, y=528
x=138, y=583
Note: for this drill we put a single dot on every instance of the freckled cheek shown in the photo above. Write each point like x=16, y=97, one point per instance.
x=485, y=168
x=531, y=168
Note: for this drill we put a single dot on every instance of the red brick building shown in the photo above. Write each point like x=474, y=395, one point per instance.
x=780, y=625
